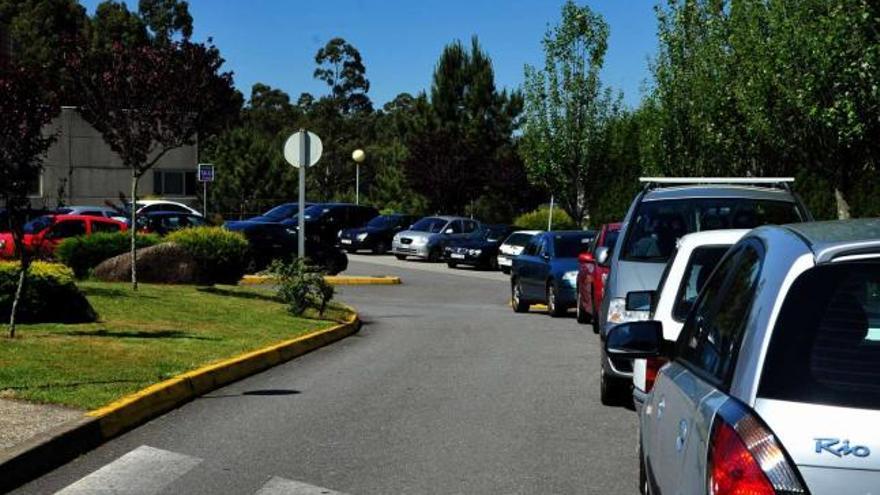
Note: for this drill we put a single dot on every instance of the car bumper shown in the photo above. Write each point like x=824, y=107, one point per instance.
x=354, y=244
x=505, y=261
x=639, y=398
x=410, y=250
x=464, y=259
x=616, y=368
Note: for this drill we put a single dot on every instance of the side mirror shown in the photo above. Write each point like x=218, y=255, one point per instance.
x=545, y=256
x=448, y=231
x=642, y=300
x=635, y=340
x=585, y=258
x=601, y=255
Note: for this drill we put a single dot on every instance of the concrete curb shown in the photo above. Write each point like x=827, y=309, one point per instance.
x=47, y=451
x=331, y=279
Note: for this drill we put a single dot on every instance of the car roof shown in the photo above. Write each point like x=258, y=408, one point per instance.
x=448, y=218
x=81, y=217
x=837, y=238
x=169, y=213
x=718, y=191
x=710, y=237
x=82, y=208
x=563, y=233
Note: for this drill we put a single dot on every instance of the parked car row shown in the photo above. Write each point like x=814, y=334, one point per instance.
x=746, y=336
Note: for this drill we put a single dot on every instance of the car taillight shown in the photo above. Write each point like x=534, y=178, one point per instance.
x=745, y=458
x=651, y=369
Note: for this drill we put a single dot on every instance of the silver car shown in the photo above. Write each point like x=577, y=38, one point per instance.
x=665, y=210
x=774, y=381
x=425, y=239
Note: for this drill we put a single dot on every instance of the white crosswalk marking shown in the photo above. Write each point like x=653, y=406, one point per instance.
x=281, y=486
x=143, y=471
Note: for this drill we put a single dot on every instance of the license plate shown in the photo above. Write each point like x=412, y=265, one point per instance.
x=346, y=241
x=457, y=256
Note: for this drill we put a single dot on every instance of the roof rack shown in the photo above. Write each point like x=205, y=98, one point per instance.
x=782, y=182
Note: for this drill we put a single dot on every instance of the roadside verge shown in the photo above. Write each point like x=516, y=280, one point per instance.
x=331, y=279
x=56, y=447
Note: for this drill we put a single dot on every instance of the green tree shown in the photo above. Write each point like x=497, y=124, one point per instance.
x=565, y=138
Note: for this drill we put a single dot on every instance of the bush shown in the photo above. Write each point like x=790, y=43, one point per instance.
x=220, y=255
x=84, y=253
x=300, y=286
x=537, y=220
x=50, y=295
x=164, y=263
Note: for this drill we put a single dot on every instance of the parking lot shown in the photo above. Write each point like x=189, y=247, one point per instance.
x=444, y=390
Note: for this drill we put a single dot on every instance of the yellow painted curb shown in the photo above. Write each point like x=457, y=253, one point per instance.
x=331, y=279
x=536, y=307
x=140, y=406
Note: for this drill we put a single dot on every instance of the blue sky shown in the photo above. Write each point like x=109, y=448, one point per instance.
x=274, y=41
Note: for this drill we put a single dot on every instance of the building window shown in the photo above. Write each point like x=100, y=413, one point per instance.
x=174, y=183
x=35, y=185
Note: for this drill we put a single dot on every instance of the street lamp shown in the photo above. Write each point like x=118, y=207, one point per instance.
x=358, y=156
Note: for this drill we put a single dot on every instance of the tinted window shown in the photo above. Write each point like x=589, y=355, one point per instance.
x=456, y=227
x=68, y=228
x=518, y=239
x=533, y=246
x=37, y=225
x=429, y=224
x=571, y=245
x=825, y=347
x=495, y=232
x=700, y=265
x=383, y=222
x=469, y=226
x=281, y=212
x=657, y=225
x=610, y=239
x=105, y=227
x=711, y=336
x=316, y=211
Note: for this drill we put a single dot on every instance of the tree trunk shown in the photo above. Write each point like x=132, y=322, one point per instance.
x=133, y=230
x=842, y=206
x=22, y=276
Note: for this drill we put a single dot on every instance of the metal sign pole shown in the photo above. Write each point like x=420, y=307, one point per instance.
x=304, y=160
x=205, y=199
x=357, y=184
x=550, y=216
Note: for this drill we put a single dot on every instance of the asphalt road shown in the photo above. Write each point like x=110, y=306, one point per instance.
x=444, y=390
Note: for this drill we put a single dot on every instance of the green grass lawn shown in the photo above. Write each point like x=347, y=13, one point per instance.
x=142, y=338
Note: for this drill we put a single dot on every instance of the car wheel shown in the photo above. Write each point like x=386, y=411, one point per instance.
x=516, y=299
x=451, y=264
x=434, y=255
x=610, y=390
x=401, y=257
x=582, y=316
x=493, y=263
x=553, y=307
x=380, y=248
x=505, y=270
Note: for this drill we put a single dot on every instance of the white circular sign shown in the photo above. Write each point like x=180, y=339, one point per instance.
x=292, y=148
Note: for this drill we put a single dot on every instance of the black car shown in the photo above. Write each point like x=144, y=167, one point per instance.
x=284, y=214
x=376, y=235
x=480, y=250
x=165, y=222
x=277, y=241
x=323, y=221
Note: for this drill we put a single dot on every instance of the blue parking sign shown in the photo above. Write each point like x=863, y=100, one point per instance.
x=206, y=172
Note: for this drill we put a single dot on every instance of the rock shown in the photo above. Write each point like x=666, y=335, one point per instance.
x=164, y=263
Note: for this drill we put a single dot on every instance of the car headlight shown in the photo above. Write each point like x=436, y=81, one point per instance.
x=290, y=231
x=419, y=241
x=362, y=236
x=475, y=252
x=339, y=234
x=617, y=312
x=570, y=278
x=396, y=239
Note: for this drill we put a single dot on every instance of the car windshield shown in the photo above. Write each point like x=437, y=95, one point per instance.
x=494, y=233
x=316, y=211
x=657, y=225
x=282, y=212
x=429, y=224
x=825, y=347
x=37, y=225
x=700, y=265
x=571, y=245
x=383, y=222
x=518, y=239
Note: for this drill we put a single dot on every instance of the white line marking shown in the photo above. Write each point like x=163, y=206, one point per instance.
x=281, y=486
x=143, y=471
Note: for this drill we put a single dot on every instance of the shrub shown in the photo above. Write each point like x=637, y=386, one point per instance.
x=537, y=220
x=300, y=286
x=220, y=255
x=164, y=263
x=50, y=295
x=84, y=253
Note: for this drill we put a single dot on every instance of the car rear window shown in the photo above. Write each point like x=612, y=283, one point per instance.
x=571, y=245
x=825, y=347
x=656, y=225
x=518, y=239
x=610, y=239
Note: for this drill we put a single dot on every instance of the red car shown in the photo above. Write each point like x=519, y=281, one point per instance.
x=43, y=234
x=592, y=273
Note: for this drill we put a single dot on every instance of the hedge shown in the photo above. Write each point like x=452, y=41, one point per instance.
x=84, y=253
x=537, y=220
x=221, y=256
x=50, y=295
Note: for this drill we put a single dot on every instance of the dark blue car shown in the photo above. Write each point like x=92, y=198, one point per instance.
x=546, y=271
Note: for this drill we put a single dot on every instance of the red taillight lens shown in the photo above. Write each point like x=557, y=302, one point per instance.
x=651, y=369
x=732, y=468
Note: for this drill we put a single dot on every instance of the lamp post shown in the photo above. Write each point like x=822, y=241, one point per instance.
x=358, y=156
